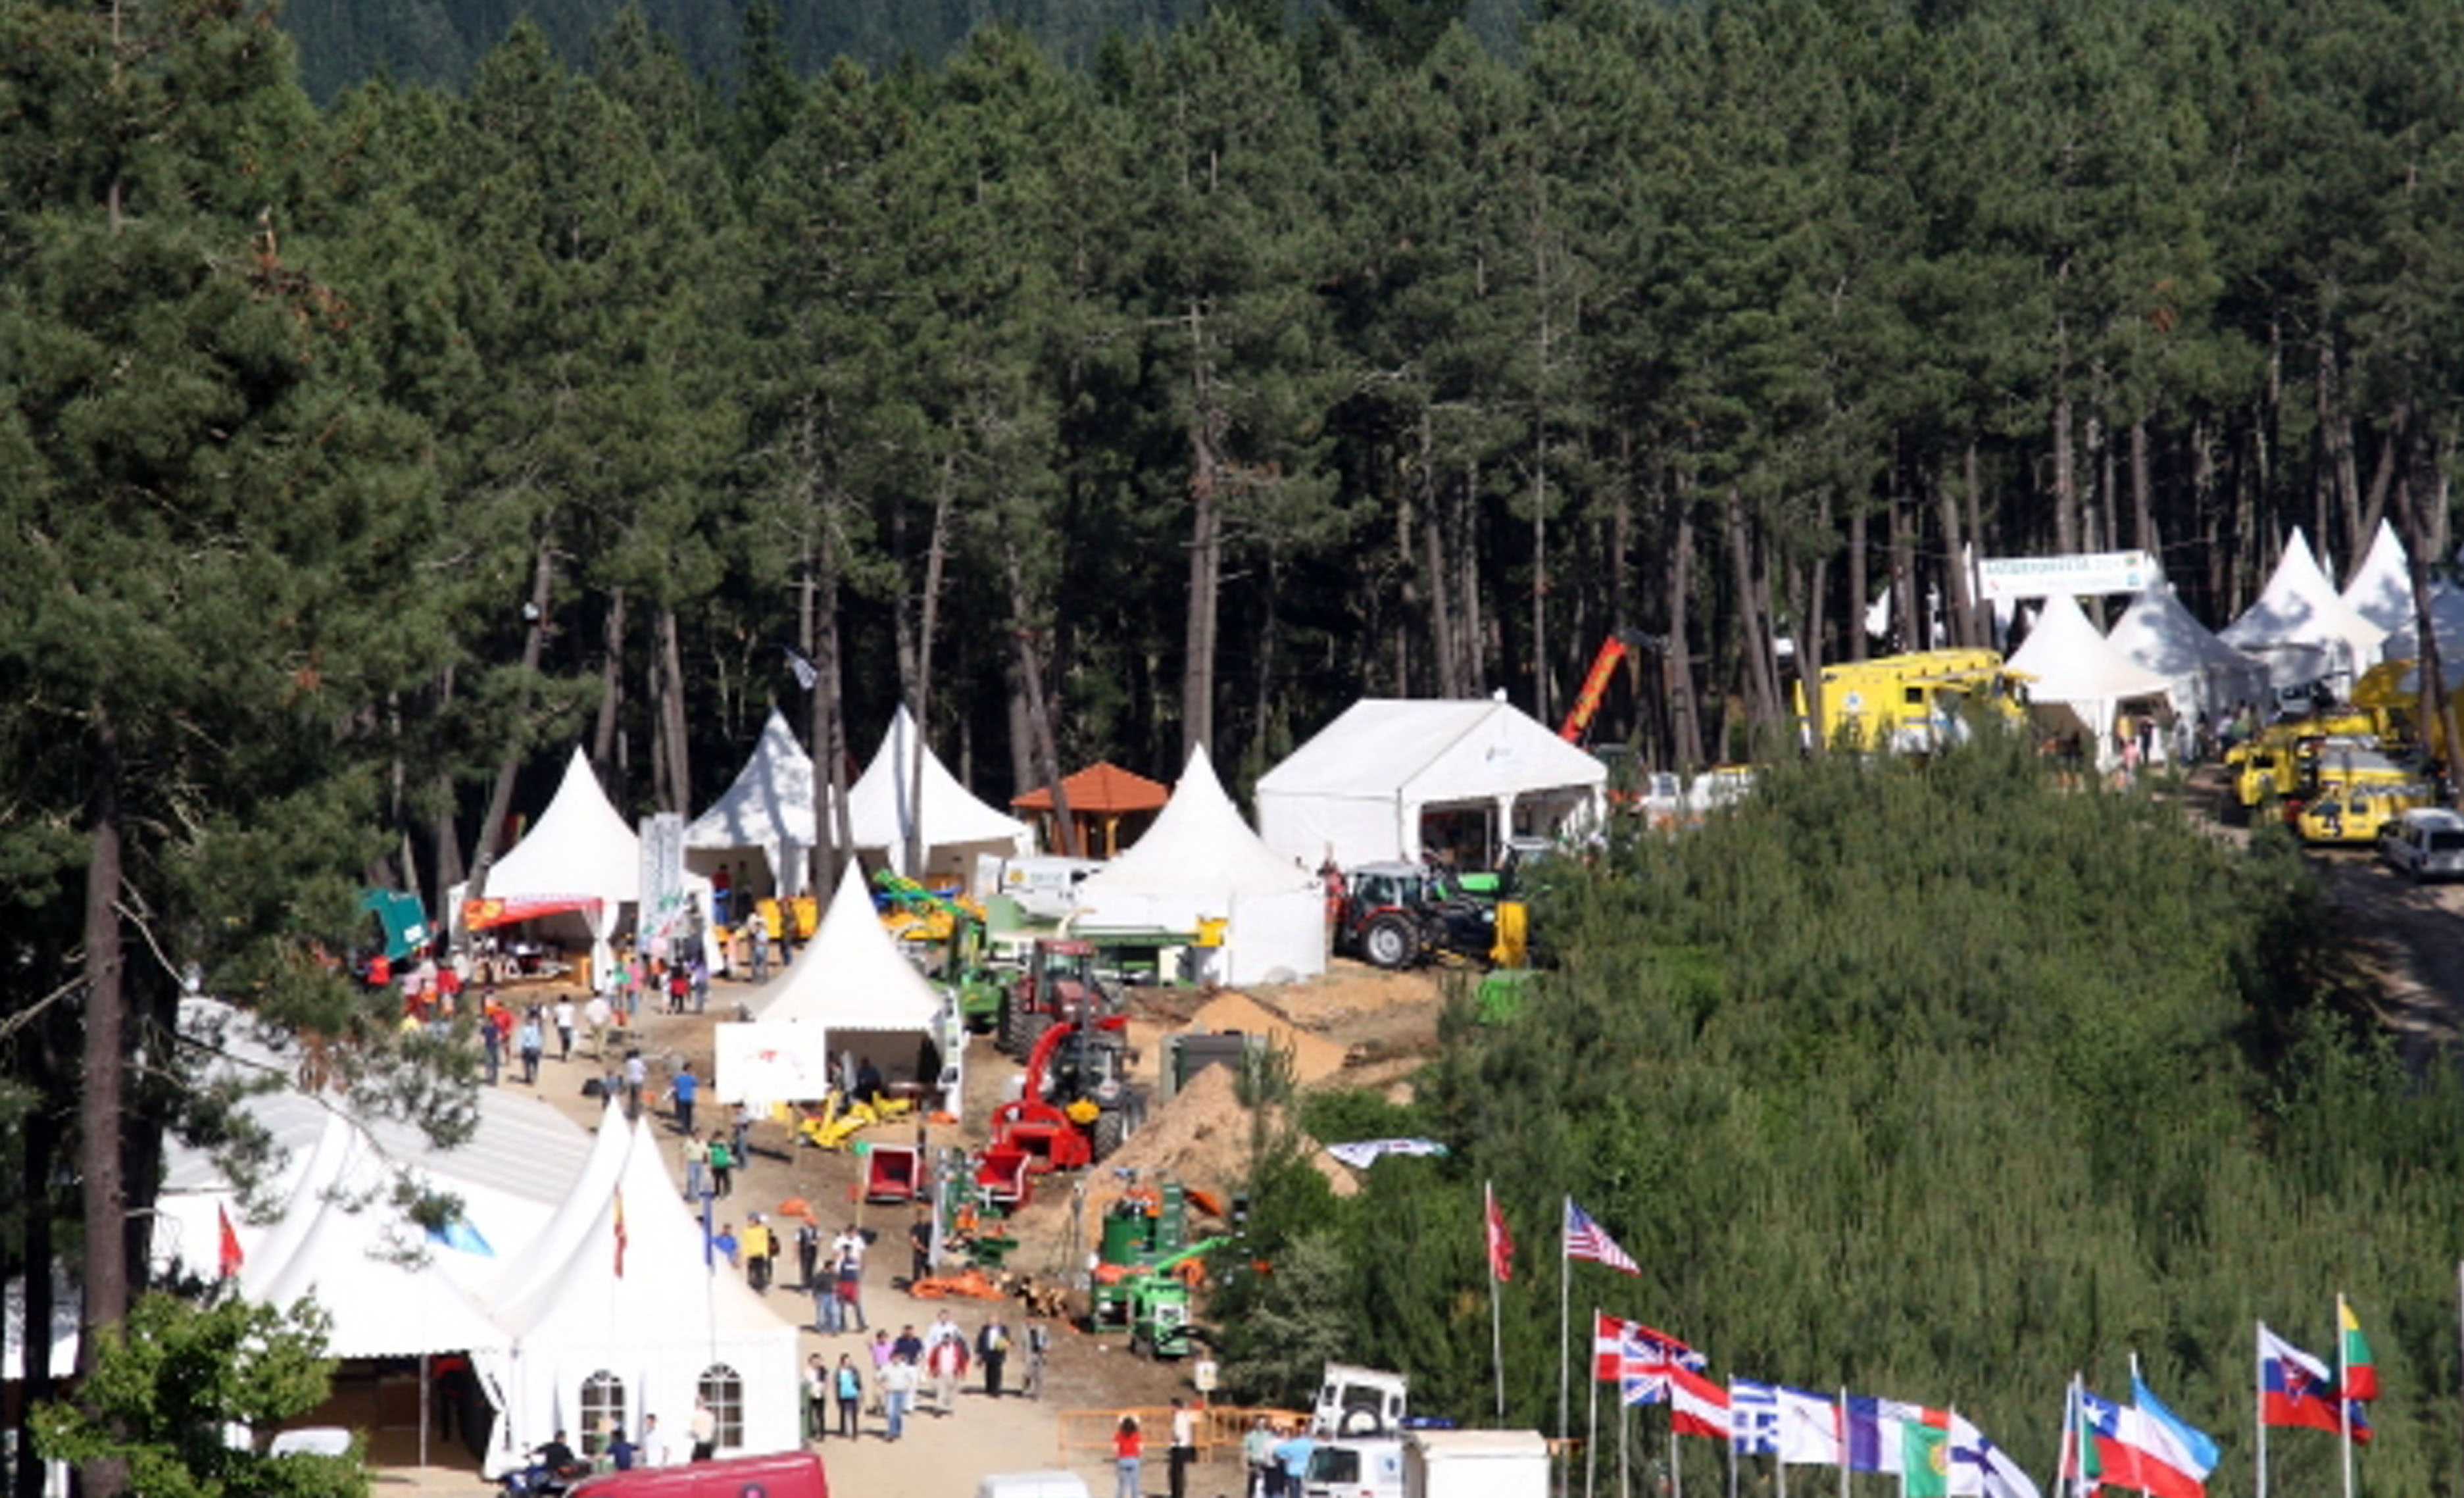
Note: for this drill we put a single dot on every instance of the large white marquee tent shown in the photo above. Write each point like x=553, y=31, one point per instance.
x=1199, y=863
x=1359, y=791
x=2381, y=589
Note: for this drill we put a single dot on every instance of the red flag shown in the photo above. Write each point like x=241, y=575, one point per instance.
x=231, y=1257
x=1501, y=1242
x=620, y=1234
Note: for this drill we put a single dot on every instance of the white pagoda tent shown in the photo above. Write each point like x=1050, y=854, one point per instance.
x=2301, y=627
x=1201, y=862
x=2381, y=588
x=638, y=1319
x=883, y=806
x=2071, y=668
x=768, y=812
x=1366, y=787
x=850, y=993
x=2207, y=676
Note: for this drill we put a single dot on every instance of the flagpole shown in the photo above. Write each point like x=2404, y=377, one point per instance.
x=1565, y=1311
x=2343, y=1402
x=1675, y=1467
x=2075, y=1436
x=2258, y=1399
x=1840, y=1423
x=1592, y=1442
x=1625, y=1427
x=2134, y=1381
x=1496, y=1317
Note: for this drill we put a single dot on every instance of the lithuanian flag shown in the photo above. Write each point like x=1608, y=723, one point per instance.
x=2360, y=1374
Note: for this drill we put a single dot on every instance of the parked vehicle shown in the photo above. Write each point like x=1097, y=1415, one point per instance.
x=782, y=1474
x=2426, y=842
x=1031, y=1485
x=1475, y=1464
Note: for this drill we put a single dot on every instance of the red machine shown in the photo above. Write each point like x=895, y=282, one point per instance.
x=1077, y=1105
x=1619, y=644
x=1058, y=984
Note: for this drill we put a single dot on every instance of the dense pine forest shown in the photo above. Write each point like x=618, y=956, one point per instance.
x=359, y=454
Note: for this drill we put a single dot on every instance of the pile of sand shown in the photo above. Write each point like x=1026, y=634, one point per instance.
x=1314, y=1057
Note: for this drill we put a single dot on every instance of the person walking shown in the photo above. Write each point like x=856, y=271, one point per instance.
x=723, y=1166
x=696, y=1169
x=756, y=936
x=850, y=1391
x=992, y=1346
x=947, y=1361
x=1127, y=1446
x=492, y=1044
x=685, y=1089
x=1258, y=1455
x=598, y=1015
x=705, y=1432
x=637, y=1076
x=809, y=1255
x=564, y=1052
x=1185, y=1448
x=760, y=1247
x=848, y=1282
x=817, y=1397
x=1039, y=1346
x=654, y=1445
x=532, y=1042
x=897, y=1392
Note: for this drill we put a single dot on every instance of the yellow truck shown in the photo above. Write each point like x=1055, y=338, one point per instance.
x=2354, y=793
x=2277, y=763
x=1910, y=704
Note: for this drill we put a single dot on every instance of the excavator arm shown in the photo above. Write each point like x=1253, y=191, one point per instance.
x=1619, y=644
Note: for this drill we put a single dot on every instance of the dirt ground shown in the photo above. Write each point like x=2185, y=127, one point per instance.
x=1381, y=1019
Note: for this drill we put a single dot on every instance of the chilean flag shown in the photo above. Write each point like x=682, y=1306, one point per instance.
x=2144, y=1449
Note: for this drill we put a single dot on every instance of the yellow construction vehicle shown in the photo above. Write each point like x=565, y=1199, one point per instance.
x=1912, y=704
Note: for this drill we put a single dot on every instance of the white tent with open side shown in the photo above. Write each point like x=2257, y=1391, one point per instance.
x=770, y=809
x=2071, y=667
x=638, y=1319
x=1374, y=784
x=2381, y=588
x=1201, y=862
x=2207, y=676
x=883, y=806
x=850, y=991
x=580, y=853
x=2302, y=628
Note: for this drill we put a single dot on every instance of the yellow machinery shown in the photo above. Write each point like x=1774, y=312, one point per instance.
x=840, y=1120
x=2355, y=793
x=1911, y=704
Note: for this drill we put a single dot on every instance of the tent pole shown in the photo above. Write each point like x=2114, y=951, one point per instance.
x=424, y=1397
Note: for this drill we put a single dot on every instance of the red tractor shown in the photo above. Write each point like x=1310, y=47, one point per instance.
x=1059, y=983
x=1077, y=1104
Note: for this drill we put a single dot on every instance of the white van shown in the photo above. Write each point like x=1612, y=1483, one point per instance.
x=2426, y=841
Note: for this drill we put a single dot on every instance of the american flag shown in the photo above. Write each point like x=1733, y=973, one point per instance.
x=1585, y=1238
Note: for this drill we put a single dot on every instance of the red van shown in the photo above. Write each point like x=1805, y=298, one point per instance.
x=782, y=1474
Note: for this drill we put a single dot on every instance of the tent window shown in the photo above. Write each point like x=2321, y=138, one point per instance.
x=602, y=1410
x=723, y=1389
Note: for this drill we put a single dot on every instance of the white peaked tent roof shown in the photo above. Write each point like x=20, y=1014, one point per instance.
x=2066, y=660
x=850, y=976
x=1200, y=846
x=580, y=848
x=2300, y=606
x=374, y=1269
x=772, y=801
x=522, y=1279
x=881, y=804
x=2381, y=589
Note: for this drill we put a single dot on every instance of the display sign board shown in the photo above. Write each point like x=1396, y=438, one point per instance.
x=663, y=872
x=2006, y=578
x=766, y=1064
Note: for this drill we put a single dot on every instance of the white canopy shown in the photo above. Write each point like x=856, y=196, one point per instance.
x=2068, y=664
x=883, y=806
x=580, y=848
x=2298, y=614
x=2445, y=619
x=637, y=1301
x=770, y=808
x=2207, y=676
x=1357, y=792
x=2381, y=589
x=1201, y=862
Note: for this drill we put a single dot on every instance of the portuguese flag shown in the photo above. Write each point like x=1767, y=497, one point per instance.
x=2360, y=1374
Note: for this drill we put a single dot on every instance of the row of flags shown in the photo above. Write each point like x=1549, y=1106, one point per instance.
x=2142, y=1447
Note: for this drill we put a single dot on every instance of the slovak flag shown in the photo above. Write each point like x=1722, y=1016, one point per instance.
x=2294, y=1387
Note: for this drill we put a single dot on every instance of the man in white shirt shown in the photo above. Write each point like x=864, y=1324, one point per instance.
x=655, y=1450
x=1185, y=1446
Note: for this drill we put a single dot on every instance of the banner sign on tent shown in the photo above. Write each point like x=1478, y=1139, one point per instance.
x=764, y=1064
x=663, y=871
x=482, y=914
x=2006, y=578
